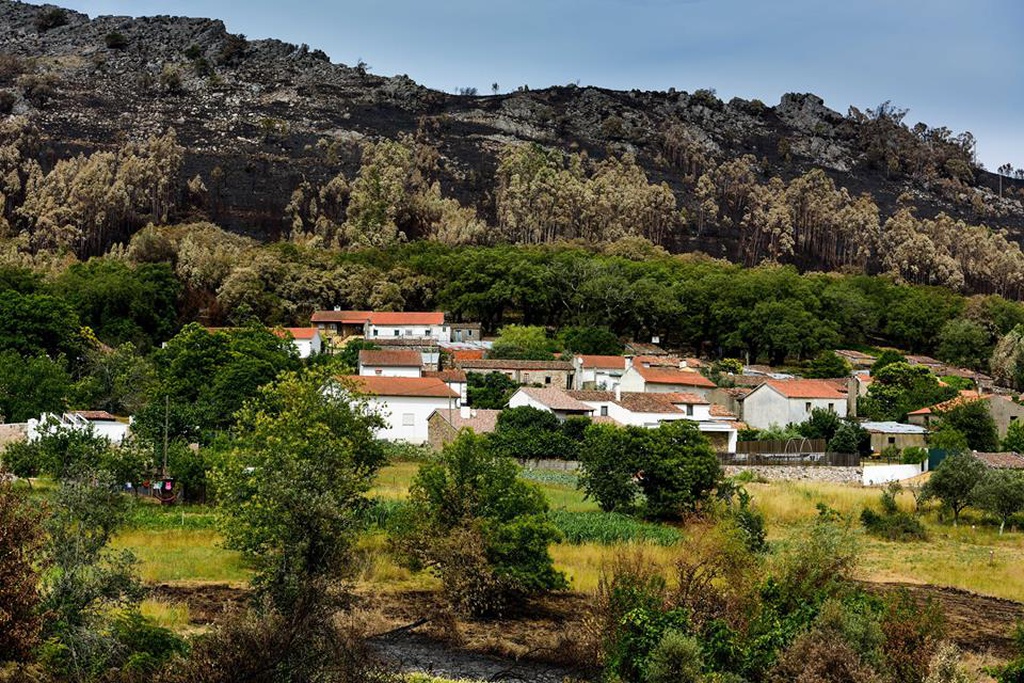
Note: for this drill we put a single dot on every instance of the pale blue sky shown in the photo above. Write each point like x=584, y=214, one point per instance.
x=951, y=62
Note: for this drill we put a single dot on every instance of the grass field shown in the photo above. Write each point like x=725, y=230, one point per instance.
x=181, y=544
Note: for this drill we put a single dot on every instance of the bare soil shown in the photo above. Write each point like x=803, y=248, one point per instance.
x=543, y=641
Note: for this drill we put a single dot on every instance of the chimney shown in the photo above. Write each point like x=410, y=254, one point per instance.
x=337, y=308
x=629, y=362
x=618, y=393
x=465, y=412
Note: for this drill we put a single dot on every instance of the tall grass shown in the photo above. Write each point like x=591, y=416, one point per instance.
x=183, y=555
x=145, y=515
x=584, y=564
x=172, y=615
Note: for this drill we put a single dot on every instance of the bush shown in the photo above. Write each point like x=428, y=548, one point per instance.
x=7, y=100
x=50, y=17
x=481, y=528
x=913, y=633
x=116, y=40
x=676, y=658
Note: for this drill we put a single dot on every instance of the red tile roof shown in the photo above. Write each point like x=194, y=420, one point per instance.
x=375, y=385
x=1001, y=461
x=501, y=364
x=637, y=402
x=612, y=362
x=688, y=378
x=411, y=318
x=447, y=375
x=966, y=396
x=480, y=421
x=391, y=358
x=97, y=415
x=592, y=395
x=658, y=361
x=296, y=332
x=692, y=399
x=468, y=354
x=806, y=388
x=349, y=317
x=722, y=411
x=556, y=399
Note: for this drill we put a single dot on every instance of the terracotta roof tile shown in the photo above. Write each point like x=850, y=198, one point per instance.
x=480, y=421
x=349, y=317
x=296, y=332
x=1001, y=461
x=688, y=378
x=806, y=388
x=411, y=318
x=637, y=402
x=390, y=358
x=611, y=362
x=722, y=411
x=501, y=364
x=375, y=385
x=556, y=399
x=966, y=396
x=692, y=399
x=447, y=375
x=592, y=395
x=97, y=415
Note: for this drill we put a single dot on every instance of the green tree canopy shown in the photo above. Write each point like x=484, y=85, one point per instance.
x=953, y=482
x=490, y=390
x=964, y=343
x=828, y=364
x=522, y=342
x=899, y=388
x=484, y=530
x=974, y=421
x=32, y=386
x=1001, y=493
x=293, y=483
x=589, y=340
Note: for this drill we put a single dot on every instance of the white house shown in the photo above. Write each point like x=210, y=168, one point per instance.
x=100, y=422
x=664, y=380
x=387, y=325
x=631, y=409
x=598, y=372
x=390, y=363
x=782, y=401
x=306, y=340
x=405, y=403
x=455, y=379
x=550, y=399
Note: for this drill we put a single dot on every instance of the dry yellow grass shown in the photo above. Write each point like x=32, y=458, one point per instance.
x=393, y=481
x=172, y=615
x=583, y=564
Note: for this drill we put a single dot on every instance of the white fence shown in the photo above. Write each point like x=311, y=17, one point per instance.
x=883, y=474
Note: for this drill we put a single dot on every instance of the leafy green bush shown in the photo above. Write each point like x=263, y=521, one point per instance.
x=116, y=40
x=677, y=658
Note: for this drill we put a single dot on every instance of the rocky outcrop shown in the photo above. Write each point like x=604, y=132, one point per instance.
x=258, y=117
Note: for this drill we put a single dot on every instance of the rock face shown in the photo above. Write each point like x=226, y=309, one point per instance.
x=258, y=117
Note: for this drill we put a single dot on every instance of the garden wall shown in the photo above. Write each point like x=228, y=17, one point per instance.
x=840, y=475
x=883, y=474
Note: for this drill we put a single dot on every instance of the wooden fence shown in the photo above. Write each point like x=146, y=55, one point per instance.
x=781, y=447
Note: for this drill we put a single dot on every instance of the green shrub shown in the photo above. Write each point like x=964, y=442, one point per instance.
x=677, y=658
x=50, y=17
x=116, y=40
x=893, y=524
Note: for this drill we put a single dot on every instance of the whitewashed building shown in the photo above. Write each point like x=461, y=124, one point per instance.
x=99, y=422
x=306, y=340
x=390, y=363
x=405, y=403
x=784, y=401
x=650, y=378
x=598, y=372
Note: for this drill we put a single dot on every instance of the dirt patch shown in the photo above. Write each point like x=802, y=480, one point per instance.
x=977, y=623
x=207, y=603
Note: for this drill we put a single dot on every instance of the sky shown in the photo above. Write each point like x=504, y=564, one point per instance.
x=952, y=63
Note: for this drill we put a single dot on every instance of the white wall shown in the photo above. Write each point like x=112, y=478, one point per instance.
x=390, y=371
x=396, y=411
x=308, y=347
x=441, y=333
x=632, y=381
x=521, y=398
x=764, y=407
x=883, y=474
x=114, y=432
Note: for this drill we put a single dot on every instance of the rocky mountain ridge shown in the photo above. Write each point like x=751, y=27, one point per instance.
x=259, y=117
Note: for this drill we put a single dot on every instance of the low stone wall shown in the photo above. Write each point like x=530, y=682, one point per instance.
x=840, y=475
x=561, y=465
x=11, y=432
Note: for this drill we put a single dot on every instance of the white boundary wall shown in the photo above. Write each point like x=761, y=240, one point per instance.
x=883, y=474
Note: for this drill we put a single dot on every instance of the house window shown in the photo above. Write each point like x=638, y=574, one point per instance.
x=604, y=411
x=469, y=333
x=397, y=333
x=547, y=379
x=807, y=407
x=376, y=332
x=892, y=440
x=831, y=407
x=378, y=371
x=689, y=410
x=408, y=419
x=408, y=333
